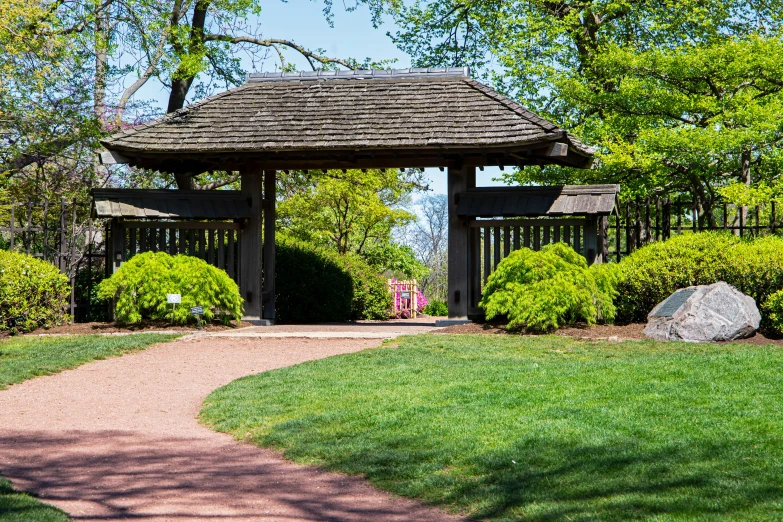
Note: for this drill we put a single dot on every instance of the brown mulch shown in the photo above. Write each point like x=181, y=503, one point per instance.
x=149, y=326
x=599, y=332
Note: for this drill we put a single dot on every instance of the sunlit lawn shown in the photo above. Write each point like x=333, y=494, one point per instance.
x=20, y=507
x=523, y=428
x=23, y=358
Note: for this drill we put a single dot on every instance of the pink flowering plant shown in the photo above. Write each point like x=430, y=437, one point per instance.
x=402, y=307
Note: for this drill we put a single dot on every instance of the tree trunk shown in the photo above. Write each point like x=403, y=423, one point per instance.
x=181, y=81
x=101, y=43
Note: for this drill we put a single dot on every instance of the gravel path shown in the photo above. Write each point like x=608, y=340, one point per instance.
x=118, y=440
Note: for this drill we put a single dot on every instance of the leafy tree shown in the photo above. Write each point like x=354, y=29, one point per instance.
x=430, y=239
x=82, y=63
x=680, y=96
x=350, y=211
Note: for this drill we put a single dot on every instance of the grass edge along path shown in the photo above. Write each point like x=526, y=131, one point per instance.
x=17, y=506
x=533, y=428
x=27, y=357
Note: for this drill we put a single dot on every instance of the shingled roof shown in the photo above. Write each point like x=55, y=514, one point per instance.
x=344, y=118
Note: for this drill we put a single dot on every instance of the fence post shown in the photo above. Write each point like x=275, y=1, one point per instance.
x=71, y=256
x=741, y=221
x=46, y=230
x=667, y=216
x=63, y=239
x=772, y=218
x=617, y=231
x=13, y=219
x=29, y=226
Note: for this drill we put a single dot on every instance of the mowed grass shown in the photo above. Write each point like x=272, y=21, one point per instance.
x=26, y=357
x=542, y=428
x=21, y=507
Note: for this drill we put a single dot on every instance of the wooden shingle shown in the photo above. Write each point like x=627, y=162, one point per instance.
x=538, y=201
x=169, y=204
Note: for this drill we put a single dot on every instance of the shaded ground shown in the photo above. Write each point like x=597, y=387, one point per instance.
x=149, y=326
x=118, y=439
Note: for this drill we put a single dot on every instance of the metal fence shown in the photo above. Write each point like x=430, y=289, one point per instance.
x=62, y=233
x=637, y=222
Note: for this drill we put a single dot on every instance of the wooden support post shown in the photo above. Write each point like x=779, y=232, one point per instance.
x=117, y=249
x=250, y=247
x=270, y=216
x=460, y=179
x=590, y=240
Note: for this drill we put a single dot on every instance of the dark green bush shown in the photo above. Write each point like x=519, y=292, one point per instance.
x=140, y=286
x=436, y=309
x=650, y=274
x=33, y=293
x=317, y=285
x=544, y=290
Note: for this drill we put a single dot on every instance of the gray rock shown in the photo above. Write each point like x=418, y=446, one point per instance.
x=717, y=312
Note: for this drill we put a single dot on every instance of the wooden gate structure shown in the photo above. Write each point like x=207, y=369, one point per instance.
x=503, y=219
x=403, y=118
x=204, y=224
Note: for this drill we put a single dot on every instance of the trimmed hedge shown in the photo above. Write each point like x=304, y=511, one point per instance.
x=318, y=285
x=140, y=286
x=33, y=293
x=650, y=274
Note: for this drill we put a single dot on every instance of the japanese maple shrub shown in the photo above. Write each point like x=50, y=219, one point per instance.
x=544, y=290
x=140, y=285
x=33, y=293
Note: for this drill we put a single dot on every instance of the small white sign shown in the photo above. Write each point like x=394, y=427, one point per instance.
x=173, y=298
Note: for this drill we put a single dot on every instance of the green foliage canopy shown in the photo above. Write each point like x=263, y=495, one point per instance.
x=678, y=96
x=348, y=211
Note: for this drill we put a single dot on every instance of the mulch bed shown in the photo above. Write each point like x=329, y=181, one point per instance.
x=600, y=332
x=150, y=326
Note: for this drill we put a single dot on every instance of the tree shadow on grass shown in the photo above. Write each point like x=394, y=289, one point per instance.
x=545, y=480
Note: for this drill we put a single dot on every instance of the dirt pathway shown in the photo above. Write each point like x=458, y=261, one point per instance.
x=118, y=439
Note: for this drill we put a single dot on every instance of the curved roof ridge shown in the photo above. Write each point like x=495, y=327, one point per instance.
x=513, y=105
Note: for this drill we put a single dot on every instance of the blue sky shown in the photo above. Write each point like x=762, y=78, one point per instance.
x=352, y=36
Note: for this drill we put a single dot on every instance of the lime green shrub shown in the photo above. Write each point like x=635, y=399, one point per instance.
x=436, y=309
x=140, y=286
x=547, y=289
x=316, y=285
x=652, y=273
x=772, y=312
x=33, y=293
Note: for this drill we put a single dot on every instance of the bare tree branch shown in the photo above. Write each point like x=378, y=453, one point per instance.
x=272, y=42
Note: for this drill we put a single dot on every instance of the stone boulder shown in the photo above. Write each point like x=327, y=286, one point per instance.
x=717, y=312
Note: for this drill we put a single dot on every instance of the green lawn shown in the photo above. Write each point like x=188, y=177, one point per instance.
x=21, y=507
x=23, y=358
x=534, y=428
